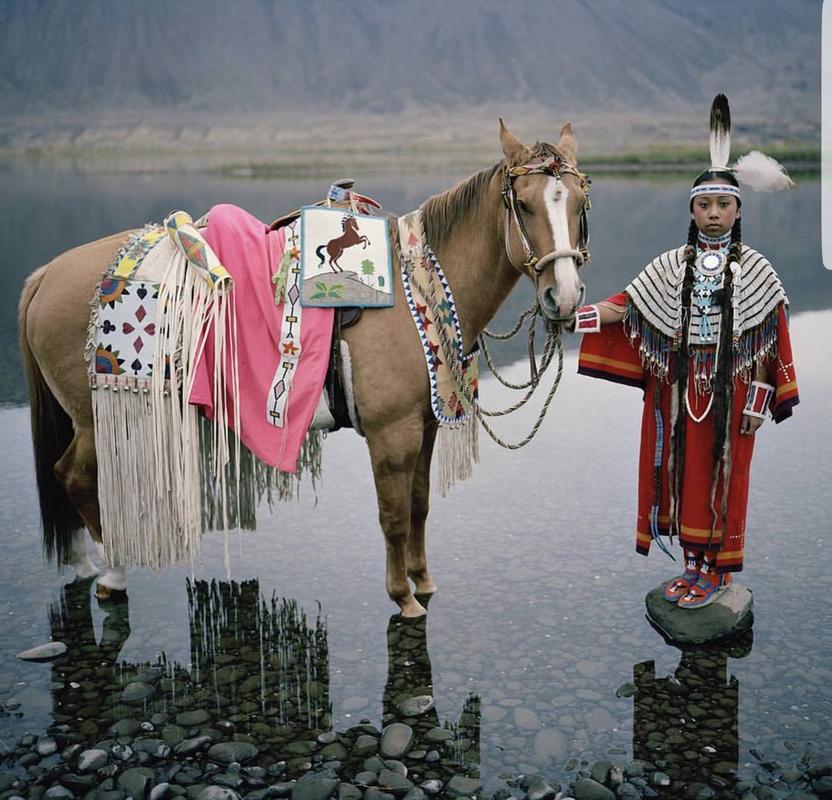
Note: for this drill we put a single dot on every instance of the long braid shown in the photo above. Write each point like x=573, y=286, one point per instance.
x=724, y=380
x=677, y=443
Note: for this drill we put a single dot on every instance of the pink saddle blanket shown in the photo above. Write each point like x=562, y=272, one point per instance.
x=251, y=253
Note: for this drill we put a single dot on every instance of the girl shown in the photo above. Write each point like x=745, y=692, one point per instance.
x=703, y=330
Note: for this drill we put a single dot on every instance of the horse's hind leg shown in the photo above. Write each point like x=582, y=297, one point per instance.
x=394, y=452
x=77, y=471
x=417, y=562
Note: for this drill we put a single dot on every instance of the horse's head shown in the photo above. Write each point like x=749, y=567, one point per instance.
x=546, y=234
x=349, y=223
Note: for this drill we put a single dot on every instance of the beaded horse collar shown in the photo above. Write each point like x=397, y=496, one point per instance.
x=556, y=166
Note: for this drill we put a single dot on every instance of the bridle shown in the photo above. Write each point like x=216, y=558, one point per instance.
x=555, y=166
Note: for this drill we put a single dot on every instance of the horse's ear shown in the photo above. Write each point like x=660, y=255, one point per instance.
x=568, y=144
x=513, y=149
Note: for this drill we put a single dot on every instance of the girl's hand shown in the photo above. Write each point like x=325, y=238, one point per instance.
x=749, y=424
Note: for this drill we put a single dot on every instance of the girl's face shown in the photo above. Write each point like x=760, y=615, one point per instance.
x=714, y=214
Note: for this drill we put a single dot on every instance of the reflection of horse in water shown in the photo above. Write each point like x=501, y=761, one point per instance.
x=689, y=722
x=335, y=247
x=258, y=674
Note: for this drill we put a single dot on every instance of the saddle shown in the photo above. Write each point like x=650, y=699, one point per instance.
x=337, y=393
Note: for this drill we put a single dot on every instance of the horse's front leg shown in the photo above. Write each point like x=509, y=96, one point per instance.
x=417, y=562
x=394, y=452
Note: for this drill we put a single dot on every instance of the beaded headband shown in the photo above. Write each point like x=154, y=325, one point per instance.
x=715, y=188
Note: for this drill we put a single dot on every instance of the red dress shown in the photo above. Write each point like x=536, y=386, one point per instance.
x=615, y=354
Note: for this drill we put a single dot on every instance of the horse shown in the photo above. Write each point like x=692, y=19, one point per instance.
x=335, y=247
x=524, y=215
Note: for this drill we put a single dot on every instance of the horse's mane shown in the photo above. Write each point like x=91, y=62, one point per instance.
x=442, y=211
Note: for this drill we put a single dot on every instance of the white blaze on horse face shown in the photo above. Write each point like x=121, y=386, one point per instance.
x=567, y=280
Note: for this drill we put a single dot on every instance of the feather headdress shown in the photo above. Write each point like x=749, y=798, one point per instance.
x=755, y=170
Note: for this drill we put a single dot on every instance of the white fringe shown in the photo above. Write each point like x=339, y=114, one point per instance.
x=150, y=485
x=459, y=450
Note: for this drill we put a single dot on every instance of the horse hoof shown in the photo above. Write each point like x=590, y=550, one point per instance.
x=107, y=596
x=413, y=608
x=84, y=570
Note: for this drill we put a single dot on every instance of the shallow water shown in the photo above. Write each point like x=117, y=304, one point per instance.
x=539, y=617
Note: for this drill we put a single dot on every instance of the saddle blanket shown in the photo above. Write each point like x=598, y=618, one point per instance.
x=252, y=254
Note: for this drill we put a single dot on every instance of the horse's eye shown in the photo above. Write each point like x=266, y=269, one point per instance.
x=521, y=205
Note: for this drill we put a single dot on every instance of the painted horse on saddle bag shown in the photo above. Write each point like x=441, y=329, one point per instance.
x=523, y=216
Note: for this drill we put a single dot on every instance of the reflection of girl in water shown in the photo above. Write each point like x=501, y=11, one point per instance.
x=705, y=334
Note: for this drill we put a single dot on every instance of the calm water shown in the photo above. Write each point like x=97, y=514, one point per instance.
x=539, y=618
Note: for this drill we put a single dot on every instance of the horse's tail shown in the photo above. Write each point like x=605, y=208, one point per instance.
x=319, y=253
x=52, y=433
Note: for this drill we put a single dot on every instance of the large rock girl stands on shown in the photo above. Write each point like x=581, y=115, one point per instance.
x=703, y=329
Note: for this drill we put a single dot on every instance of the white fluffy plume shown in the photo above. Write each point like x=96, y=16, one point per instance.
x=720, y=140
x=762, y=173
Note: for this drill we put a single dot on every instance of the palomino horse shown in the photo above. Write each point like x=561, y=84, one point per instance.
x=335, y=247
x=521, y=216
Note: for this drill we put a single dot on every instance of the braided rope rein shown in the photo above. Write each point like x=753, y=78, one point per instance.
x=553, y=343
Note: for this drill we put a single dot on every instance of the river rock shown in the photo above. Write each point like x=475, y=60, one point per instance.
x=92, y=760
x=135, y=781
x=460, y=786
x=346, y=791
x=217, y=793
x=46, y=746
x=588, y=789
x=136, y=692
x=365, y=745
x=396, y=740
x=315, y=785
x=228, y=752
x=43, y=652
x=190, y=719
x=124, y=727
x=58, y=792
x=190, y=746
x=414, y=706
x=729, y=615
x=550, y=745
x=394, y=781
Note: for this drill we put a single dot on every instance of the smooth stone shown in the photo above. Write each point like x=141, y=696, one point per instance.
x=431, y=786
x=395, y=781
x=135, y=781
x=600, y=772
x=346, y=791
x=124, y=727
x=626, y=690
x=315, y=786
x=396, y=766
x=416, y=793
x=588, y=789
x=46, y=746
x=136, y=692
x=823, y=786
x=154, y=747
x=334, y=752
x=229, y=752
x=191, y=746
x=173, y=734
x=626, y=791
x=190, y=719
x=365, y=745
x=660, y=779
x=373, y=793
x=396, y=739
x=550, y=745
x=92, y=760
x=43, y=652
x=730, y=614
x=58, y=792
x=540, y=789
x=437, y=735
x=367, y=778
x=415, y=706
x=460, y=786
x=161, y=791
x=526, y=719
x=217, y=793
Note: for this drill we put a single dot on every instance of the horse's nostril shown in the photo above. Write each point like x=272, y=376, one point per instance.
x=549, y=302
